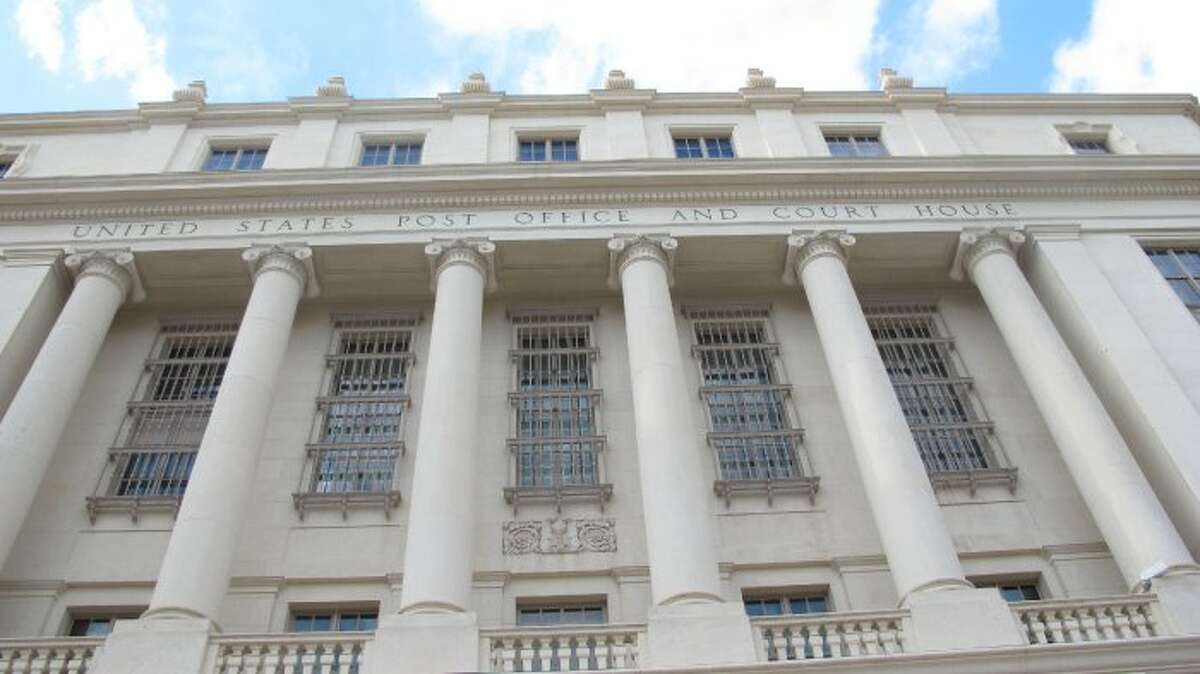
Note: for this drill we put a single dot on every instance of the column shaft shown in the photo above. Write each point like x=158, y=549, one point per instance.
x=1135, y=526
x=439, y=551
x=195, y=572
x=919, y=550
x=681, y=543
x=34, y=422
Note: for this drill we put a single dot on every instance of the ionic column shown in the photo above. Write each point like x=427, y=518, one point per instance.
x=195, y=572
x=33, y=424
x=919, y=550
x=681, y=543
x=1141, y=537
x=438, y=554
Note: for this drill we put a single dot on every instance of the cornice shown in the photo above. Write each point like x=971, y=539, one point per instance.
x=501, y=103
x=644, y=182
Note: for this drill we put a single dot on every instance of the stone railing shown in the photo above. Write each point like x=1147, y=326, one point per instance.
x=565, y=649
x=830, y=635
x=1070, y=621
x=48, y=656
x=303, y=653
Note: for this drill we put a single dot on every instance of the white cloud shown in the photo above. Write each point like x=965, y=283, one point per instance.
x=946, y=39
x=673, y=45
x=1147, y=45
x=111, y=41
x=39, y=25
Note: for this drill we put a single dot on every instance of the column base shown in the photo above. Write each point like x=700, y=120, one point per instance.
x=424, y=643
x=1179, y=597
x=156, y=646
x=960, y=619
x=698, y=634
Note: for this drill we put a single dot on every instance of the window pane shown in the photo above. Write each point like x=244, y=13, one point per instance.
x=251, y=159
x=840, y=146
x=4, y=167
x=688, y=148
x=532, y=150
x=220, y=160
x=1165, y=261
x=719, y=148
x=1186, y=292
x=375, y=155
x=1190, y=259
x=564, y=150
x=407, y=154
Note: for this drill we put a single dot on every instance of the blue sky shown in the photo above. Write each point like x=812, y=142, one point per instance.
x=98, y=54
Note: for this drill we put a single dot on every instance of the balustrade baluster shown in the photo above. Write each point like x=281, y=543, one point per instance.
x=528, y=655
x=817, y=641
x=870, y=637
x=291, y=658
x=1058, y=629
x=835, y=641
x=76, y=659
x=1123, y=621
x=889, y=638
x=545, y=655
x=854, y=640
x=1141, y=623
x=1087, y=624
x=327, y=656
x=1105, y=622
x=21, y=664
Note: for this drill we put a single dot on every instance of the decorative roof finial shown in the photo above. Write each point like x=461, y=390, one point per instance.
x=476, y=83
x=756, y=80
x=889, y=80
x=617, y=80
x=335, y=86
x=196, y=91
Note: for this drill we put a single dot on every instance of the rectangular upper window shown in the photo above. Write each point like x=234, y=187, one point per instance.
x=1089, y=145
x=99, y=623
x=547, y=149
x=704, y=147
x=855, y=145
x=334, y=620
x=401, y=153
x=236, y=158
x=4, y=167
x=770, y=604
x=1013, y=591
x=1181, y=268
x=588, y=612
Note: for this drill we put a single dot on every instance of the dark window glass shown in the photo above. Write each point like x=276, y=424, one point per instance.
x=583, y=614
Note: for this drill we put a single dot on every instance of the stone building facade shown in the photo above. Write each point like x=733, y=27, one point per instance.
x=765, y=380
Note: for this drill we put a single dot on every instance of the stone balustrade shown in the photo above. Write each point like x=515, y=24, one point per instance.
x=830, y=635
x=566, y=649
x=1070, y=621
x=48, y=656
x=302, y=653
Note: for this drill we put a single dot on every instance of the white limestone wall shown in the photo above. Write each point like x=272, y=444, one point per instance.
x=1035, y=134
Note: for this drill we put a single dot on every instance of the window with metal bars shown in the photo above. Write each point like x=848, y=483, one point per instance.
x=950, y=430
x=360, y=421
x=1181, y=268
x=556, y=442
x=152, y=460
x=751, y=425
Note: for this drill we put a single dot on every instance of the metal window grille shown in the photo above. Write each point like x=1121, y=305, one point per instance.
x=556, y=441
x=360, y=424
x=855, y=145
x=236, y=159
x=1181, y=268
x=704, y=147
x=751, y=426
x=950, y=433
x=157, y=443
x=1088, y=146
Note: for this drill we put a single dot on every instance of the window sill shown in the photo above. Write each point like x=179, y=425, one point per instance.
x=600, y=493
x=134, y=505
x=972, y=479
x=344, y=501
x=727, y=489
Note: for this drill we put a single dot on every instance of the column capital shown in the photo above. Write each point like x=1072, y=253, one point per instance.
x=804, y=246
x=624, y=249
x=976, y=244
x=476, y=252
x=114, y=265
x=294, y=259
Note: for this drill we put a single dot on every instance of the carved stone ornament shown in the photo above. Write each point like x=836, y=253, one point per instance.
x=335, y=87
x=756, y=80
x=476, y=252
x=806, y=246
x=292, y=259
x=625, y=250
x=974, y=245
x=476, y=83
x=115, y=266
x=617, y=80
x=559, y=536
x=890, y=81
x=195, y=92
